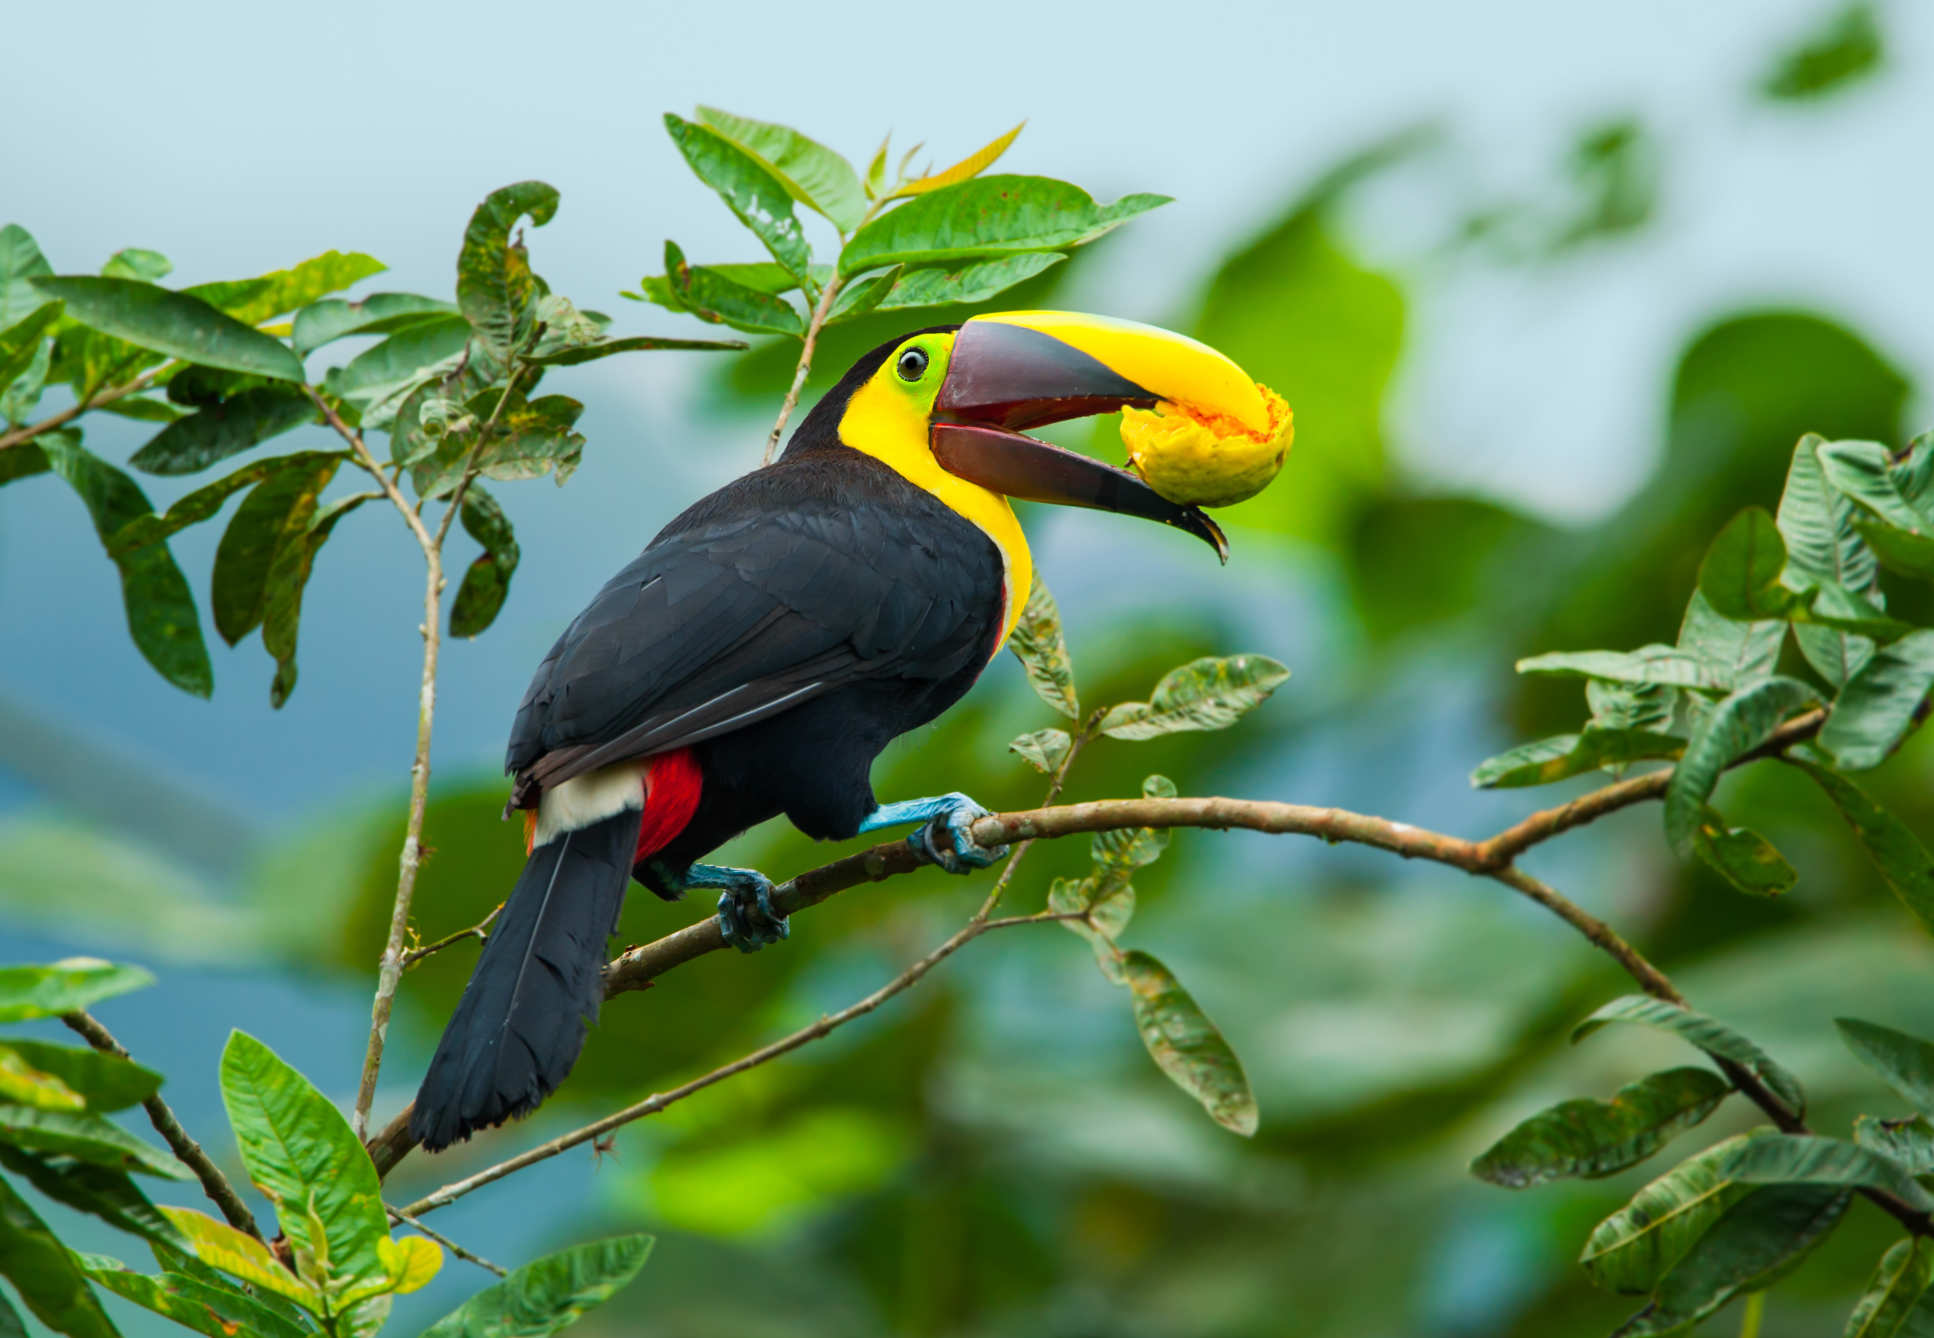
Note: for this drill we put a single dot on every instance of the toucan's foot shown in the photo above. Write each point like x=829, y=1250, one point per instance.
x=945, y=837
x=746, y=915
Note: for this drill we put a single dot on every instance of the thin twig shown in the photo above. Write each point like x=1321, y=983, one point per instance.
x=21, y=435
x=813, y=324
x=478, y=931
x=213, y=1183
x=390, y=968
x=466, y=1255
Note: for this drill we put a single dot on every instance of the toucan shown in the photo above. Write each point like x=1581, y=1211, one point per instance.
x=768, y=644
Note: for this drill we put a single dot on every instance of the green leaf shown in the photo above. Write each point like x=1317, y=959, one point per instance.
x=1566, y=755
x=141, y=409
x=495, y=287
x=862, y=296
x=1105, y=900
x=1909, y=1142
x=1187, y=1046
x=240, y=1255
x=530, y=438
x=325, y=322
x=547, y=1294
x=604, y=348
x=17, y=401
x=971, y=166
x=985, y=218
x=253, y=301
x=23, y=1084
x=812, y=174
x=205, y=1308
x=205, y=501
x=1842, y=50
x=875, y=184
x=226, y=428
x=21, y=342
x=1634, y=1248
x=277, y=511
x=1736, y=653
x=1709, y=1034
x=1043, y=652
x=378, y=379
x=487, y=582
x=1880, y=703
x=1734, y=728
x=1898, y=550
x=1898, y=489
x=172, y=323
x=1809, y=1159
x=757, y=197
x=1587, y=1138
x=1904, y=863
x=1625, y=706
x=21, y=462
x=1043, y=749
x=1905, y=1063
x=87, y=1138
x=64, y=987
x=302, y=1154
x=712, y=297
x=45, y=1274
x=1753, y=1244
x=1898, y=1282
x=20, y=263
x=966, y=283
x=161, y=612
x=1742, y=857
x=108, y=1082
x=1740, y=574
x=98, y=1191
x=1210, y=693
x=1665, y=665
x=137, y=262
x=287, y=581
x=1823, y=546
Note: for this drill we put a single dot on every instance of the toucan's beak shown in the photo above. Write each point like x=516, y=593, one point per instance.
x=1020, y=369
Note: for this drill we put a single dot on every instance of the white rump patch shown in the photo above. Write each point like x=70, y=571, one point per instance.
x=592, y=797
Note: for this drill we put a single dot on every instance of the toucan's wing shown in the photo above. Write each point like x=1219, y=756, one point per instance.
x=765, y=595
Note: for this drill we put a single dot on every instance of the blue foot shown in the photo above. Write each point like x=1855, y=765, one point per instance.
x=945, y=837
x=746, y=917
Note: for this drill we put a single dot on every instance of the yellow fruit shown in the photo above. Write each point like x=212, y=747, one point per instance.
x=1206, y=459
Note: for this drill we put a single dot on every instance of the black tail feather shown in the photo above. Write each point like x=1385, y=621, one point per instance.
x=521, y=1022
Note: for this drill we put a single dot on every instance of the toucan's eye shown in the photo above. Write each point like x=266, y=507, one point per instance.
x=913, y=364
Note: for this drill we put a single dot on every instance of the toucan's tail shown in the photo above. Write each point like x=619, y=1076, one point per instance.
x=538, y=983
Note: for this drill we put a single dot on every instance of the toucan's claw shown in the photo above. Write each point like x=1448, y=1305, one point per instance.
x=948, y=840
x=747, y=919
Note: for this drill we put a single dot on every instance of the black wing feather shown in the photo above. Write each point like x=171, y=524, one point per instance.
x=784, y=585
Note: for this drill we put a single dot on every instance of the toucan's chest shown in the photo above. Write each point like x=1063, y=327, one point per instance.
x=883, y=427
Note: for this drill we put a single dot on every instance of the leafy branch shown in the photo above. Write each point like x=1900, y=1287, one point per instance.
x=932, y=239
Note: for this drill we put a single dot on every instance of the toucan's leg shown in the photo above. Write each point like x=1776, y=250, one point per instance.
x=950, y=816
x=746, y=916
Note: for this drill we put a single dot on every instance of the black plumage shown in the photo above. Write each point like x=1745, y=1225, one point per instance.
x=536, y=986
x=785, y=628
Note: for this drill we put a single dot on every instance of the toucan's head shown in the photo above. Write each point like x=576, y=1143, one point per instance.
x=950, y=404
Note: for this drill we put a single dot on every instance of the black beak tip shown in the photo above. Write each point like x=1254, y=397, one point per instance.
x=1197, y=522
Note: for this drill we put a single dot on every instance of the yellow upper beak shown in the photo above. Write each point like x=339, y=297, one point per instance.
x=1166, y=365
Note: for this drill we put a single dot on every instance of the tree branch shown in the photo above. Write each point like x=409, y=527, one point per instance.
x=21, y=435
x=390, y=968
x=466, y=1255
x=813, y=325
x=213, y=1183
x=1490, y=858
